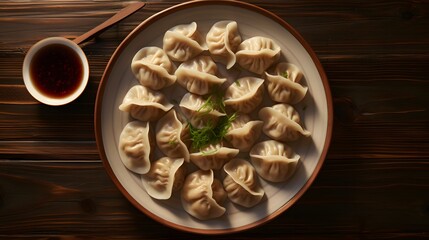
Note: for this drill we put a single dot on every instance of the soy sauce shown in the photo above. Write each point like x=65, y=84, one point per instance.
x=56, y=70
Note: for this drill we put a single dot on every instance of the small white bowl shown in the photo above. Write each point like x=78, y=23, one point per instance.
x=29, y=84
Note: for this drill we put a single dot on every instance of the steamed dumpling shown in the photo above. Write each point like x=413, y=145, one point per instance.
x=199, y=199
x=256, y=54
x=169, y=132
x=242, y=183
x=219, y=194
x=243, y=132
x=165, y=176
x=145, y=104
x=152, y=67
x=282, y=122
x=223, y=40
x=192, y=106
x=183, y=42
x=283, y=84
x=198, y=75
x=135, y=147
x=245, y=94
x=214, y=156
x=274, y=161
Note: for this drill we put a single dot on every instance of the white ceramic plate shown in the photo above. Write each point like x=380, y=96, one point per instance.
x=315, y=110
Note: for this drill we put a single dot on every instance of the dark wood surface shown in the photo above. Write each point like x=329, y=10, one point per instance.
x=374, y=183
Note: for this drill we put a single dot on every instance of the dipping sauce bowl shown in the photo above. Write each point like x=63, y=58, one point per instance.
x=55, y=71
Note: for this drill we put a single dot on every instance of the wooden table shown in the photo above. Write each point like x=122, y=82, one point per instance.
x=374, y=183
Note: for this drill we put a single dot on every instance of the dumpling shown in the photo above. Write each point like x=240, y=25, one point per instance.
x=242, y=183
x=245, y=94
x=185, y=135
x=165, y=176
x=274, y=161
x=135, y=147
x=219, y=194
x=283, y=84
x=198, y=75
x=256, y=54
x=214, y=156
x=183, y=42
x=282, y=122
x=198, y=196
x=145, y=104
x=169, y=132
x=152, y=67
x=243, y=132
x=223, y=40
x=192, y=106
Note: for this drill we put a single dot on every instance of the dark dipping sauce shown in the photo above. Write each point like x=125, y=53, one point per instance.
x=56, y=71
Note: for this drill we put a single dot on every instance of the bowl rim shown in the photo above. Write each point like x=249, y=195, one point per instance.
x=166, y=12
x=29, y=85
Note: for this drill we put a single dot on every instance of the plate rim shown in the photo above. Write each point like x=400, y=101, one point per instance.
x=164, y=13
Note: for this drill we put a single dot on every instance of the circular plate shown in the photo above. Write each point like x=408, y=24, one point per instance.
x=315, y=110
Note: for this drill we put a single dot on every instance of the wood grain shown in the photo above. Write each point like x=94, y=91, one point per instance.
x=374, y=183
x=59, y=203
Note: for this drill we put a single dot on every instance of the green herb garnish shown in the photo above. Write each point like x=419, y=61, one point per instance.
x=173, y=142
x=213, y=102
x=237, y=82
x=285, y=74
x=224, y=124
x=209, y=152
x=200, y=137
x=207, y=106
x=210, y=133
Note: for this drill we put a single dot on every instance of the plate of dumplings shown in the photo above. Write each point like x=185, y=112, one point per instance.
x=213, y=117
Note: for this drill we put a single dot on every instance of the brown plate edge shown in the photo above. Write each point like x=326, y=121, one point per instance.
x=163, y=13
